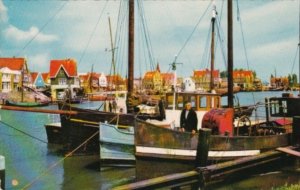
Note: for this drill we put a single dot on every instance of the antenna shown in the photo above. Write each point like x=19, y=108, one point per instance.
x=173, y=65
x=175, y=79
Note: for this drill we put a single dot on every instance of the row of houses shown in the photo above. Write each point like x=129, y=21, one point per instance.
x=63, y=74
x=164, y=81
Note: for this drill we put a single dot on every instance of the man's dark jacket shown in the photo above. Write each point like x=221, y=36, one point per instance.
x=190, y=123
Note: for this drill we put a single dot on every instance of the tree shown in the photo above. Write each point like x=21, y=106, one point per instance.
x=223, y=74
x=254, y=74
x=294, y=79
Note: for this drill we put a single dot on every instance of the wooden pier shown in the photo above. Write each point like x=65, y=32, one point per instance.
x=212, y=173
x=2, y=172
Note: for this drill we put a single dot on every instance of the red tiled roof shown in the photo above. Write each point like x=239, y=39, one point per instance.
x=45, y=76
x=114, y=78
x=84, y=77
x=69, y=66
x=167, y=76
x=149, y=74
x=95, y=75
x=202, y=73
x=13, y=63
x=33, y=76
x=242, y=73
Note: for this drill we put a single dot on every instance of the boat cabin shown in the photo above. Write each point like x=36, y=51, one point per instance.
x=201, y=101
x=285, y=106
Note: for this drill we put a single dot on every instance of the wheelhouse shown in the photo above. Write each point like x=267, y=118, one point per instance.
x=199, y=101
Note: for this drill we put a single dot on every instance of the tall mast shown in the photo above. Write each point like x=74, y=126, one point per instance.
x=91, y=78
x=130, y=48
x=212, y=48
x=299, y=49
x=112, y=48
x=230, y=54
x=22, y=85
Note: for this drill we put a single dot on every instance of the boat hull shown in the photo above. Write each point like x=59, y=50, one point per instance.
x=82, y=129
x=54, y=133
x=116, y=145
x=175, y=151
x=154, y=141
x=26, y=104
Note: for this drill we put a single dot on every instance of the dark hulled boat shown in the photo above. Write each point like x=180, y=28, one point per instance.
x=232, y=137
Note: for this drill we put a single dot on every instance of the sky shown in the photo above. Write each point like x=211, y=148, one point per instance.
x=265, y=33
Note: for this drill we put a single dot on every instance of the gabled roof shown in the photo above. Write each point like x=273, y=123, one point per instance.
x=69, y=66
x=45, y=76
x=33, y=76
x=13, y=63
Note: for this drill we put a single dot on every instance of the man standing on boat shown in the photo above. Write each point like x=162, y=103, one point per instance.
x=188, y=119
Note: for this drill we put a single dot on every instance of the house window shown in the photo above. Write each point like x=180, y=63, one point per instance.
x=5, y=86
x=62, y=81
x=17, y=78
x=5, y=76
x=76, y=81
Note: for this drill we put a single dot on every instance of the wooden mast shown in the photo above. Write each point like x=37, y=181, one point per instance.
x=114, y=78
x=299, y=50
x=22, y=85
x=130, y=48
x=212, y=49
x=230, y=53
x=112, y=49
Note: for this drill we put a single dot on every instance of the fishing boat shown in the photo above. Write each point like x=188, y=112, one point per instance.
x=28, y=98
x=117, y=140
x=234, y=134
x=82, y=129
x=26, y=104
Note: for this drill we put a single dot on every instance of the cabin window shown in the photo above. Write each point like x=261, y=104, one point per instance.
x=203, y=102
x=193, y=101
x=180, y=102
x=169, y=102
x=284, y=107
x=274, y=107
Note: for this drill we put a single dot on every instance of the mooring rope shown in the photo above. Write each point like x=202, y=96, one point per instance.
x=23, y=132
x=62, y=159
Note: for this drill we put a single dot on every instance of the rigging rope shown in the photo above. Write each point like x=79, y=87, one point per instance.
x=185, y=43
x=205, y=56
x=294, y=61
x=120, y=38
x=146, y=34
x=92, y=34
x=244, y=45
x=42, y=28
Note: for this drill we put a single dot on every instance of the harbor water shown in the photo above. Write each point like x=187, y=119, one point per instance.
x=32, y=163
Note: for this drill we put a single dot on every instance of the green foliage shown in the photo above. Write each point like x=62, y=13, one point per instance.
x=288, y=187
x=223, y=74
